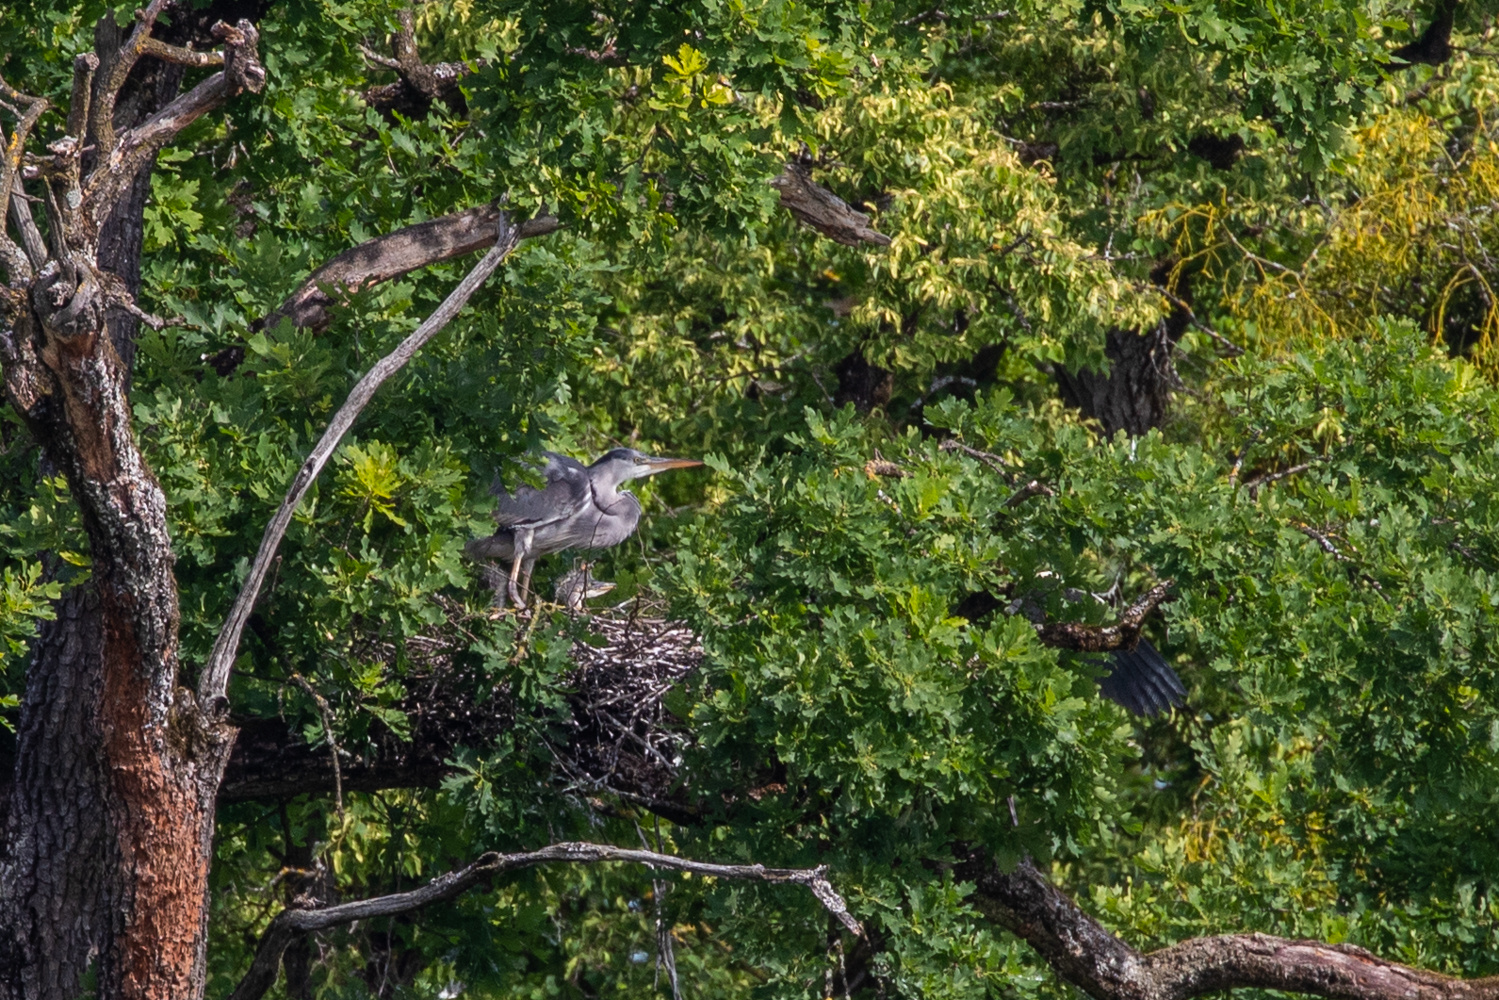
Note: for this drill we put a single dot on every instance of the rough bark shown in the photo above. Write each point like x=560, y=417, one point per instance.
x=59, y=854
x=116, y=877
x=1134, y=394
x=1084, y=953
x=160, y=761
x=820, y=209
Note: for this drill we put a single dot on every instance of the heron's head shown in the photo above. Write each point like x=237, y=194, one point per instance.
x=623, y=464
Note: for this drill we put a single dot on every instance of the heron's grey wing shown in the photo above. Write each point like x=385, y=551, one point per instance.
x=565, y=492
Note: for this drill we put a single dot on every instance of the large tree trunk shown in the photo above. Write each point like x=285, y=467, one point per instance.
x=104, y=870
x=111, y=816
x=55, y=876
x=1134, y=394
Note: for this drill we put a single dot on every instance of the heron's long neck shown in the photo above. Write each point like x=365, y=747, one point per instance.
x=614, y=500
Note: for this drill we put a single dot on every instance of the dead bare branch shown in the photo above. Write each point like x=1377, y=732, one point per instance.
x=290, y=923
x=179, y=55
x=394, y=254
x=119, y=161
x=85, y=65
x=215, y=679
x=31, y=237
x=817, y=207
x=117, y=67
x=17, y=263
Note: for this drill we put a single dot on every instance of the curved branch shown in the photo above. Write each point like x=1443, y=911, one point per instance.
x=215, y=679
x=1089, y=957
x=394, y=254
x=290, y=923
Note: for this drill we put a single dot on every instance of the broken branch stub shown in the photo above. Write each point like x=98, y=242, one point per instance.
x=820, y=209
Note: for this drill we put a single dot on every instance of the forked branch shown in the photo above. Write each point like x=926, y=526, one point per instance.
x=119, y=161
x=215, y=679
x=1102, y=638
x=290, y=923
x=1083, y=952
x=420, y=83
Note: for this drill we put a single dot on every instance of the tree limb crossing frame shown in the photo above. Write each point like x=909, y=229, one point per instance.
x=289, y=923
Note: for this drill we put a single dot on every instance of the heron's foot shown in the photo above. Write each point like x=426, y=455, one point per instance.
x=515, y=595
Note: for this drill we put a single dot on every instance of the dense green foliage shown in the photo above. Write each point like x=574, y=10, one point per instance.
x=1337, y=769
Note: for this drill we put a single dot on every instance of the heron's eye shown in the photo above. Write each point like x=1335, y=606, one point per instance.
x=639, y=460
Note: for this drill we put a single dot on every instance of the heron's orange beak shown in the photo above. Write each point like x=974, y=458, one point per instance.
x=662, y=464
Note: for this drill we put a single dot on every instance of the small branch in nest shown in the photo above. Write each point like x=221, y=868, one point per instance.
x=1102, y=638
x=820, y=209
x=288, y=924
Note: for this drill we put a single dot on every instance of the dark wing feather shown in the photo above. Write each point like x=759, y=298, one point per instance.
x=1142, y=681
x=566, y=492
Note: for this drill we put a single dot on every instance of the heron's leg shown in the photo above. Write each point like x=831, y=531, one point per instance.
x=525, y=582
x=512, y=586
x=522, y=553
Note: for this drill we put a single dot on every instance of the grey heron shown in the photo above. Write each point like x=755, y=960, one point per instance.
x=577, y=586
x=580, y=507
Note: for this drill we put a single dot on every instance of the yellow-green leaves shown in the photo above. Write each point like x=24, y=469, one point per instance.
x=373, y=479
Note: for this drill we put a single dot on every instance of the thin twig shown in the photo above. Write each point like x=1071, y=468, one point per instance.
x=1253, y=485
x=1234, y=350
x=991, y=460
x=326, y=711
